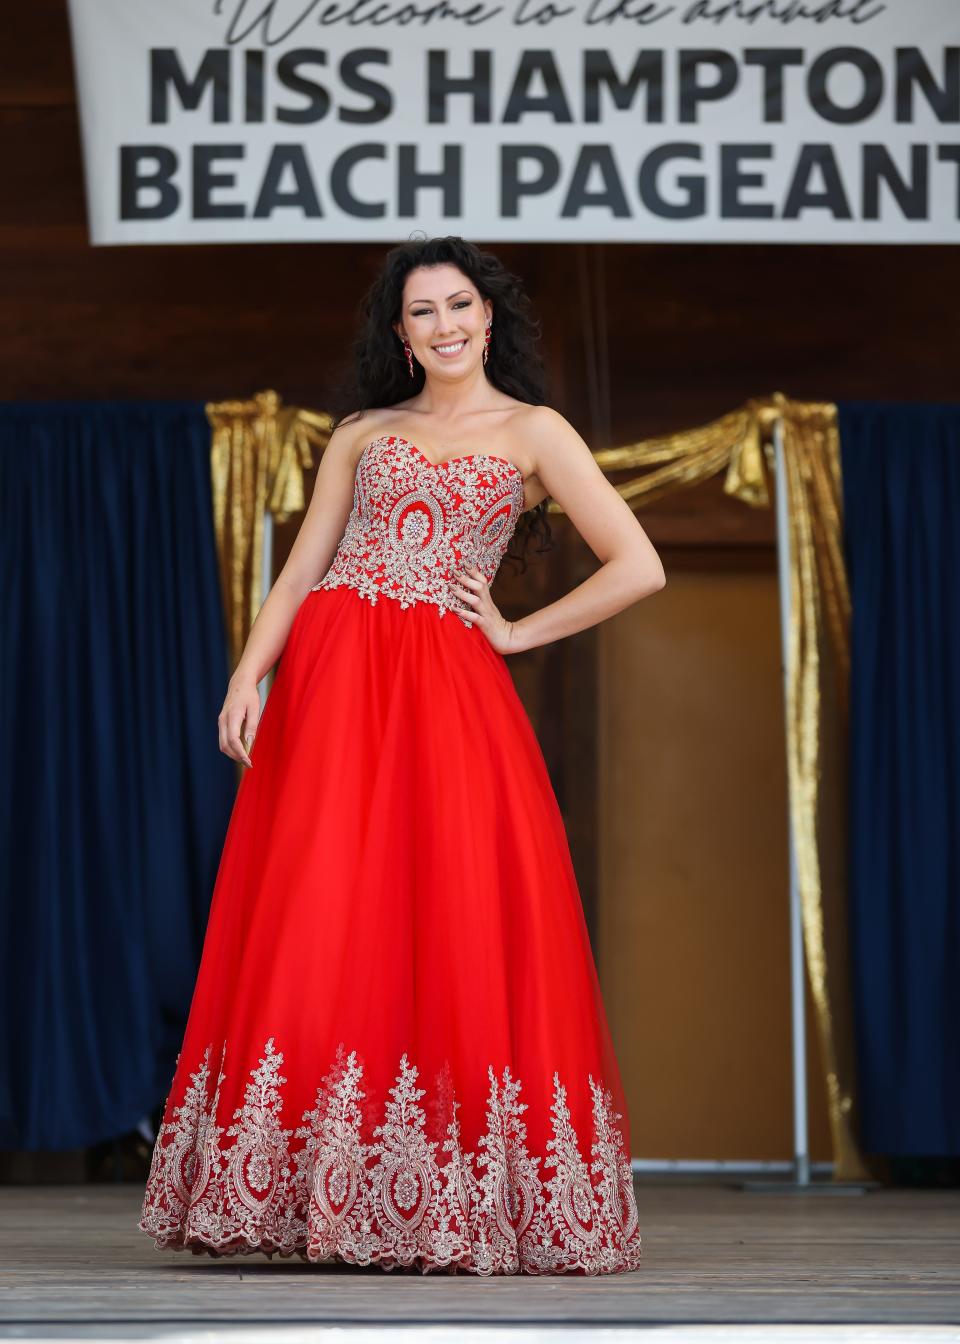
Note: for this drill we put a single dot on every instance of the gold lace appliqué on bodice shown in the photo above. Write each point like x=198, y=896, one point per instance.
x=416, y=523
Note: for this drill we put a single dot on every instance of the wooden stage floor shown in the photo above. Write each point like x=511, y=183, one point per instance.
x=74, y=1265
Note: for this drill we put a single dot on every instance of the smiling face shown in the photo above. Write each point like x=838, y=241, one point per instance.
x=444, y=318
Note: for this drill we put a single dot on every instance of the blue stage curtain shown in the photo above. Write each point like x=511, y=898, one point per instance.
x=115, y=797
x=901, y=490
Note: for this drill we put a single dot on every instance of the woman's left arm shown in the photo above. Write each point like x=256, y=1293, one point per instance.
x=630, y=568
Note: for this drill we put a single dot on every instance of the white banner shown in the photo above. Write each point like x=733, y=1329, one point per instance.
x=529, y=120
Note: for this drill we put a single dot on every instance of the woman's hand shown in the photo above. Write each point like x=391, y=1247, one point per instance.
x=240, y=715
x=479, y=609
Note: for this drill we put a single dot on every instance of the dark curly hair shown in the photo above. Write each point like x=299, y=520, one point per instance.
x=378, y=375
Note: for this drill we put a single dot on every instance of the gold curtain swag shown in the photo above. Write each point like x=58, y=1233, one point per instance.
x=259, y=453
x=735, y=443
x=818, y=697
x=261, y=449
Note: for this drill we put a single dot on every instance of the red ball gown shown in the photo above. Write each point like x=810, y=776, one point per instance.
x=397, y=1051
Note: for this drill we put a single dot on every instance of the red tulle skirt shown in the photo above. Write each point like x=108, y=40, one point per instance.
x=397, y=1051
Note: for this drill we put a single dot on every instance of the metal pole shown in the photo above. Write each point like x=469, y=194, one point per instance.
x=801, y=1143
x=801, y=1147
x=802, y=1182
x=266, y=581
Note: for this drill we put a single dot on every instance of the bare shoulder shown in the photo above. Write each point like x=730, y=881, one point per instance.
x=548, y=437
x=353, y=433
x=544, y=421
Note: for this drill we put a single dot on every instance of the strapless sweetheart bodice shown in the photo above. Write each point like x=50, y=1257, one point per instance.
x=415, y=523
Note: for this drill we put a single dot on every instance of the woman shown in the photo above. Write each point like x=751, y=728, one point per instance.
x=397, y=1052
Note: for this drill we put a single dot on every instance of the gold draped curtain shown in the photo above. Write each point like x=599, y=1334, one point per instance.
x=260, y=451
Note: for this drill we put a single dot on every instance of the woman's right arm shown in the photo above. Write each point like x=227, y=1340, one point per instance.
x=309, y=559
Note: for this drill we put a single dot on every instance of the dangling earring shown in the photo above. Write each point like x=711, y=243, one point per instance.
x=486, y=343
x=409, y=354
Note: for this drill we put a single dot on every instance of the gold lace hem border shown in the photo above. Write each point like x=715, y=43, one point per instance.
x=195, y=1243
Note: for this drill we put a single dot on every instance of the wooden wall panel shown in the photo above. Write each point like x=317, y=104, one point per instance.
x=693, y=892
